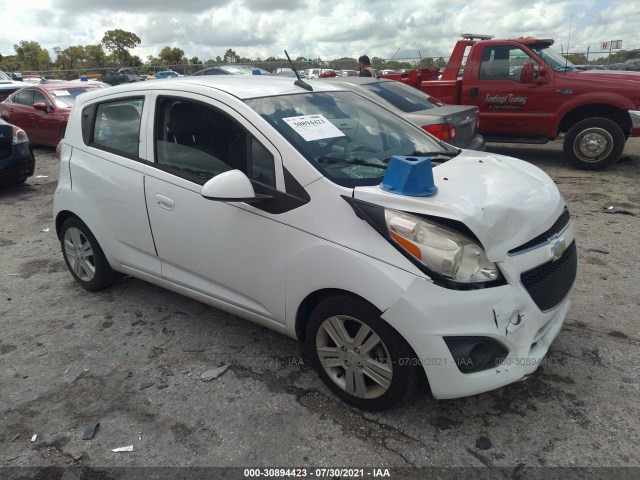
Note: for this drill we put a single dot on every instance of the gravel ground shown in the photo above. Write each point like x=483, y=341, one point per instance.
x=131, y=358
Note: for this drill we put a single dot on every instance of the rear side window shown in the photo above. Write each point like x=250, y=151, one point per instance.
x=401, y=96
x=115, y=126
x=24, y=98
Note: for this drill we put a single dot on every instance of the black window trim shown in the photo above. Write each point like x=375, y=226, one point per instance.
x=89, y=139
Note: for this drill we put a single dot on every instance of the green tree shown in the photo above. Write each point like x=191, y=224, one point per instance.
x=31, y=55
x=230, y=56
x=171, y=56
x=95, y=56
x=577, y=58
x=118, y=42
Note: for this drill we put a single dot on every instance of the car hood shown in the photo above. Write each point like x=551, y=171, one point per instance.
x=12, y=83
x=505, y=202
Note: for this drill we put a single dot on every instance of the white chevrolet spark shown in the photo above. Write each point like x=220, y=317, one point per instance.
x=305, y=208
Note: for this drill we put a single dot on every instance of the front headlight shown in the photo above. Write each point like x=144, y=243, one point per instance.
x=441, y=250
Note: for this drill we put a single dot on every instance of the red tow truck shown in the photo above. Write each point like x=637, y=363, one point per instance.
x=529, y=93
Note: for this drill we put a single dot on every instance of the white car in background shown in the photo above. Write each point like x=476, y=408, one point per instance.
x=312, y=211
x=8, y=85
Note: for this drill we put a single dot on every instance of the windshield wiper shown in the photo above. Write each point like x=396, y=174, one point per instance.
x=351, y=161
x=445, y=155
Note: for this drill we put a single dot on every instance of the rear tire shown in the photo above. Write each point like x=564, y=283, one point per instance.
x=594, y=144
x=358, y=356
x=84, y=257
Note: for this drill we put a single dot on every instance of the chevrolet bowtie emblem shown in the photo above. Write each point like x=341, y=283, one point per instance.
x=558, y=246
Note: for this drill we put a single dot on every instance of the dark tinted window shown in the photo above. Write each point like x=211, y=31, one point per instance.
x=403, y=97
x=38, y=97
x=24, y=97
x=201, y=141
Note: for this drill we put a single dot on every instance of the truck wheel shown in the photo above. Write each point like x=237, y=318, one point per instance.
x=594, y=144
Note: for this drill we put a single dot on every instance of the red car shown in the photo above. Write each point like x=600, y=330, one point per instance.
x=42, y=110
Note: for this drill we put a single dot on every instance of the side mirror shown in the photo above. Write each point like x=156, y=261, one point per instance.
x=541, y=75
x=231, y=186
x=528, y=72
x=43, y=107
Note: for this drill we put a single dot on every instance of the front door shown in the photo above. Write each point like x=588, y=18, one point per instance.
x=230, y=251
x=507, y=105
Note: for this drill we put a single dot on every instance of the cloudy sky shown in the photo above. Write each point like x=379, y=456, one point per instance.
x=327, y=29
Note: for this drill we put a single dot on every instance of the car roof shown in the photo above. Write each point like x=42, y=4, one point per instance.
x=240, y=86
x=358, y=80
x=60, y=86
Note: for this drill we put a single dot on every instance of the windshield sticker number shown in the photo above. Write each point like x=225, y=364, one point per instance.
x=313, y=127
x=61, y=93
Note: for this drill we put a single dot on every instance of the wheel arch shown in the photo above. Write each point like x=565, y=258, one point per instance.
x=593, y=110
x=314, y=298
x=61, y=217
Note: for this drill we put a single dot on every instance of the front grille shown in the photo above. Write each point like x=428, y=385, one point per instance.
x=549, y=283
x=5, y=151
x=541, y=239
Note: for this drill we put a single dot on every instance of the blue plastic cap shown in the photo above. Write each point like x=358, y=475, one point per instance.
x=411, y=176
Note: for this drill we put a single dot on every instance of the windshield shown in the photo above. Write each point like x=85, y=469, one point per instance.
x=404, y=97
x=554, y=59
x=67, y=97
x=348, y=139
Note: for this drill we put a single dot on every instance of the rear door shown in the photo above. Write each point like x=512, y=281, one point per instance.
x=109, y=170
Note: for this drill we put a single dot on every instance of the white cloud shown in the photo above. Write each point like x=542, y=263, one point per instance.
x=315, y=28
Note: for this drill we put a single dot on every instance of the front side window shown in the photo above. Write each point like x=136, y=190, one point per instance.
x=117, y=126
x=38, y=97
x=503, y=62
x=200, y=141
x=347, y=138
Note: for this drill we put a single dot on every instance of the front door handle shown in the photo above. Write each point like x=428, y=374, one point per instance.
x=165, y=202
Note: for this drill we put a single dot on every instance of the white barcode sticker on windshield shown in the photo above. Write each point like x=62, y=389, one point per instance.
x=313, y=127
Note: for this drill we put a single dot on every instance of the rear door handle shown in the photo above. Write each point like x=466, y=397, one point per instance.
x=473, y=92
x=165, y=202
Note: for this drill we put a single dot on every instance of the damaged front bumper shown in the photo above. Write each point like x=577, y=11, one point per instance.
x=504, y=315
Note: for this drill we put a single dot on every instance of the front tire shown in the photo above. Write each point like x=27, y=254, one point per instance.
x=84, y=257
x=594, y=144
x=358, y=356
